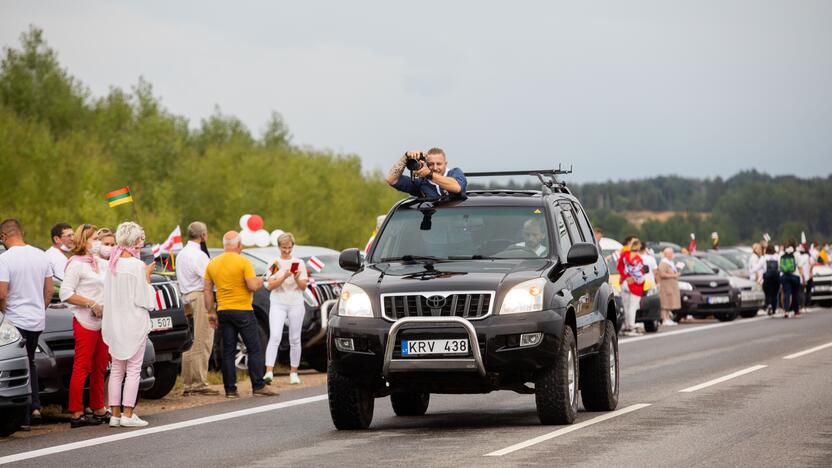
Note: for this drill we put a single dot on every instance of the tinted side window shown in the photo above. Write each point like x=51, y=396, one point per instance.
x=584, y=223
x=563, y=235
x=571, y=225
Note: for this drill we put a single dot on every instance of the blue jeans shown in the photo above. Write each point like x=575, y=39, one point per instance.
x=791, y=293
x=244, y=323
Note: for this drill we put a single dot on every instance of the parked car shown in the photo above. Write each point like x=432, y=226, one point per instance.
x=15, y=390
x=734, y=255
x=324, y=288
x=721, y=262
x=658, y=247
x=55, y=353
x=822, y=289
x=649, y=310
x=703, y=292
x=752, y=297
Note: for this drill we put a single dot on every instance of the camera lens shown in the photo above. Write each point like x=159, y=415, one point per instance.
x=412, y=164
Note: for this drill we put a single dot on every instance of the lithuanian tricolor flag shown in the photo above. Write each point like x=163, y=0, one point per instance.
x=120, y=197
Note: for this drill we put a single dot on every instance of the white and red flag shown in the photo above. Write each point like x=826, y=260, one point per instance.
x=172, y=244
x=692, y=245
x=315, y=263
x=157, y=250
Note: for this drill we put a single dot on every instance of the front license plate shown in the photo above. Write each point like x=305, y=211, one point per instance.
x=423, y=347
x=718, y=300
x=161, y=323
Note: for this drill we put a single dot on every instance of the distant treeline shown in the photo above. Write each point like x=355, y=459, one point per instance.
x=62, y=150
x=740, y=208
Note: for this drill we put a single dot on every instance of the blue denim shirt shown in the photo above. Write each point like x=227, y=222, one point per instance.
x=425, y=188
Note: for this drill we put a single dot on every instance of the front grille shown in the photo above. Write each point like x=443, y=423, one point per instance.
x=717, y=291
x=464, y=305
x=326, y=291
x=14, y=378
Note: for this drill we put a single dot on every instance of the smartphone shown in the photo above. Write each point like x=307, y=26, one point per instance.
x=294, y=267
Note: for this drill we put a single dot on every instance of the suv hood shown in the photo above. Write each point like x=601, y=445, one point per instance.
x=457, y=275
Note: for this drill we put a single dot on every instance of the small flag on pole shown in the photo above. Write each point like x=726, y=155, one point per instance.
x=692, y=245
x=120, y=197
x=173, y=243
x=157, y=250
x=316, y=264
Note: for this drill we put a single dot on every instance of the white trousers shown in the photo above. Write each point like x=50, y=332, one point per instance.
x=631, y=304
x=278, y=313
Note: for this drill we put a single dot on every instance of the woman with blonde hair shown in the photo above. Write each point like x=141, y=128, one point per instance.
x=83, y=290
x=128, y=297
x=287, y=281
x=106, y=243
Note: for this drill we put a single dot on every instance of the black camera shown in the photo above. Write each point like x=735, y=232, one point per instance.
x=413, y=164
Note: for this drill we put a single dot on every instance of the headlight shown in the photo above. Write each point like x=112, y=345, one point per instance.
x=354, y=302
x=8, y=334
x=685, y=286
x=525, y=297
x=733, y=282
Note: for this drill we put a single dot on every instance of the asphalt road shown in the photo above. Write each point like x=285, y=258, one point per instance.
x=696, y=395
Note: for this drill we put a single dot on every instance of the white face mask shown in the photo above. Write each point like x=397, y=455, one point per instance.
x=105, y=251
x=789, y=250
x=96, y=247
x=65, y=248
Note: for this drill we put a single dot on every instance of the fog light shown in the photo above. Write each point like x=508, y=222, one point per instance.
x=344, y=344
x=530, y=339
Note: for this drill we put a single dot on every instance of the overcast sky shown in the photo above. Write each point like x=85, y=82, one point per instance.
x=619, y=89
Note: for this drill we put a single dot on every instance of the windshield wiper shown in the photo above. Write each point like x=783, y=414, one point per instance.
x=413, y=258
x=470, y=257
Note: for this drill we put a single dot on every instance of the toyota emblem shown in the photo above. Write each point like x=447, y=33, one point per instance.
x=713, y=284
x=436, y=302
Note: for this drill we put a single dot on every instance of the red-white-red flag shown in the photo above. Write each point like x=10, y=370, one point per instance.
x=316, y=264
x=173, y=243
x=692, y=245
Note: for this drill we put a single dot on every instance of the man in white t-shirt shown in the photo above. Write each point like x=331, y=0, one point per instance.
x=190, y=273
x=25, y=291
x=63, y=240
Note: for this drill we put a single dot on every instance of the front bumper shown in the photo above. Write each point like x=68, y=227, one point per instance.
x=696, y=303
x=822, y=288
x=495, y=357
x=14, y=376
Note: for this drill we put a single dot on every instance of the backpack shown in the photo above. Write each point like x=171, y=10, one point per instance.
x=788, y=264
x=772, y=269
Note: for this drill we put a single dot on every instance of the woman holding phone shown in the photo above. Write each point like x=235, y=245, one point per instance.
x=287, y=282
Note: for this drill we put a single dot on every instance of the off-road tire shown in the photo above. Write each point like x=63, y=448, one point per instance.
x=11, y=419
x=726, y=317
x=410, y=403
x=748, y=313
x=552, y=394
x=651, y=326
x=165, y=373
x=350, y=402
x=599, y=380
x=678, y=315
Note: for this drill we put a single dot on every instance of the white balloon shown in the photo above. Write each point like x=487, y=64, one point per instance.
x=247, y=238
x=274, y=235
x=244, y=222
x=261, y=238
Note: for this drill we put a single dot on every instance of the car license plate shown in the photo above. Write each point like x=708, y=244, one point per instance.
x=718, y=300
x=161, y=323
x=423, y=347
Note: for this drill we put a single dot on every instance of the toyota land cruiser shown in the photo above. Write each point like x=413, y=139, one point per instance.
x=504, y=290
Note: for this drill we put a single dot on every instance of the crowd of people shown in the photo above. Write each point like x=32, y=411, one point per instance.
x=107, y=287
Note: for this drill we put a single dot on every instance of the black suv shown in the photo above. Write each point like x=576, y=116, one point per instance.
x=494, y=292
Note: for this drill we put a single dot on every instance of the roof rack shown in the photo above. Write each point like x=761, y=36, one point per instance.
x=547, y=177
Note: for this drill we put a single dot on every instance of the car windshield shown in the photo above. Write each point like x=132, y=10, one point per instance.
x=721, y=262
x=691, y=266
x=737, y=258
x=458, y=233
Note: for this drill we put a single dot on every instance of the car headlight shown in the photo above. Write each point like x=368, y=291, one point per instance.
x=733, y=282
x=524, y=297
x=8, y=334
x=354, y=302
x=685, y=286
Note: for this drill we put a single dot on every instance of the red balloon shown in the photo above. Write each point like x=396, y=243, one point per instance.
x=255, y=223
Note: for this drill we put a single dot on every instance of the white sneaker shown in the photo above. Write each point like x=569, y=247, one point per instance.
x=669, y=323
x=293, y=378
x=114, y=421
x=133, y=421
x=268, y=377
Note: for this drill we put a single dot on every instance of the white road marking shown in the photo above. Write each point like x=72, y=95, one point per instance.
x=155, y=430
x=689, y=330
x=566, y=430
x=808, y=351
x=723, y=378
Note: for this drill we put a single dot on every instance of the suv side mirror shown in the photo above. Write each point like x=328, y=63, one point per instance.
x=350, y=259
x=582, y=253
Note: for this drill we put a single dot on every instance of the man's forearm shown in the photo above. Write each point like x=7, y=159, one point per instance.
x=396, y=171
x=208, y=297
x=447, y=183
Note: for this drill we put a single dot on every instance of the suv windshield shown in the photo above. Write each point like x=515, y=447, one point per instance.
x=692, y=266
x=458, y=233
